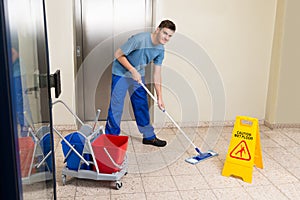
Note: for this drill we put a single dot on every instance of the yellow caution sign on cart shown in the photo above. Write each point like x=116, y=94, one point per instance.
x=244, y=150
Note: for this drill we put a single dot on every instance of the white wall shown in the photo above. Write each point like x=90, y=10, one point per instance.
x=237, y=36
x=288, y=106
x=60, y=40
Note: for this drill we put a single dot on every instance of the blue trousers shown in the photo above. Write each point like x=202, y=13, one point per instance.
x=18, y=96
x=138, y=96
x=18, y=101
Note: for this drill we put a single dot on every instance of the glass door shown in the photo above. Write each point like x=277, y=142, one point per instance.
x=29, y=83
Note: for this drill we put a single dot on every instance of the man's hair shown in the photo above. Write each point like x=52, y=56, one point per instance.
x=167, y=24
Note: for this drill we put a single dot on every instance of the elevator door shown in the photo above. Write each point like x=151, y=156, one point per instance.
x=101, y=27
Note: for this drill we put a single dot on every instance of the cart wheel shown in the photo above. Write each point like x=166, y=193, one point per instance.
x=118, y=185
x=64, y=178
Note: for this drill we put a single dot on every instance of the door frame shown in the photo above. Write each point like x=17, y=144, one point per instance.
x=10, y=185
x=10, y=173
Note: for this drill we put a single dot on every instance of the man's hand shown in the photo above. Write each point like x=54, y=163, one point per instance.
x=119, y=55
x=161, y=104
x=136, y=75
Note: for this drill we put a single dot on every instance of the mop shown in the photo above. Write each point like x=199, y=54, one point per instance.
x=201, y=155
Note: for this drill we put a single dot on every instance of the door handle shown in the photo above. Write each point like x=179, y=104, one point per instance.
x=55, y=82
x=43, y=83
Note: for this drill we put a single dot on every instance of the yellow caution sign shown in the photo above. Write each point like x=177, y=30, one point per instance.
x=244, y=149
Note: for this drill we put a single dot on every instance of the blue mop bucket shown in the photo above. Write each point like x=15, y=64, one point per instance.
x=87, y=157
x=77, y=141
x=46, y=148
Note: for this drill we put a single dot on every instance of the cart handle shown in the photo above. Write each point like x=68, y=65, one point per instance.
x=60, y=101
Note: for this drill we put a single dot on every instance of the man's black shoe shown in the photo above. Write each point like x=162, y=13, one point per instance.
x=155, y=142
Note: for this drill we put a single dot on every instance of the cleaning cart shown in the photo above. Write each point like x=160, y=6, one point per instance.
x=35, y=155
x=91, y=154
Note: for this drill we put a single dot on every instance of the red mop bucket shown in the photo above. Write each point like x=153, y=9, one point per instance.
x=26, y=148
x=116, y=146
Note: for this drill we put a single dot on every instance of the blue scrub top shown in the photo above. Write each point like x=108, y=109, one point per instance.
x=140, y=51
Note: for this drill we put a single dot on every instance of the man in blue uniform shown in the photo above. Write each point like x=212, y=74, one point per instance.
x=128, y=71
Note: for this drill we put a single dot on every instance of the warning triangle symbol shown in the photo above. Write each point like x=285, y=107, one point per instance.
x=241, y=151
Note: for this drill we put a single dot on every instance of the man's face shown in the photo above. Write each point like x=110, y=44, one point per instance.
x=164, y=35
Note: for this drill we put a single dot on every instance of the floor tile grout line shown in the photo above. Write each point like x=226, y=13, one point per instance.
x=158, y=191
x=176, y=186
x=281, y=165
x=207, y=183
x=272, y=183
x=283, y=132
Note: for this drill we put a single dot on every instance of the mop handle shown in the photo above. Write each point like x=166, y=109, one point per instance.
x=149, y=93
x=164, y=110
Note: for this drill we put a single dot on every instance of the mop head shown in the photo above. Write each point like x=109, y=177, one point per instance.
x=200, y=157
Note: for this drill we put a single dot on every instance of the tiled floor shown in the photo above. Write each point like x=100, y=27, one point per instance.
x=162, y=173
